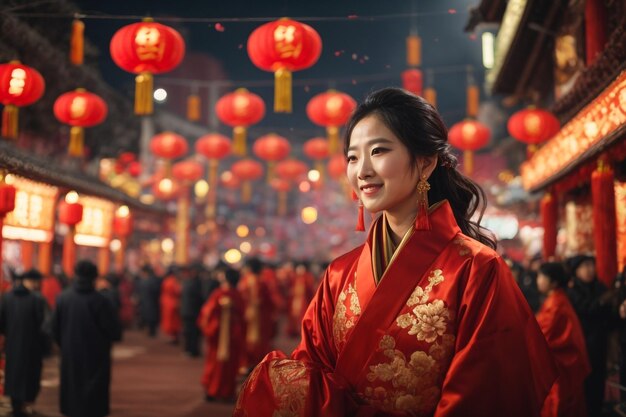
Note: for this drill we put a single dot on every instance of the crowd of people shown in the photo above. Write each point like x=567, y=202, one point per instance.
x=236, y=312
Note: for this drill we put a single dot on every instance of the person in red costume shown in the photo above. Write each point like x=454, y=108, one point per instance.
x=170, y=305
x=301, y=292
x=259, y=314
x=222, y=323
x=560, y=326
x=423, y=319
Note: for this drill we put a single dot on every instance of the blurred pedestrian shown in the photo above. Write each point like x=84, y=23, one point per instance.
x=22, y=315
x=190, y=305
x=85, y=325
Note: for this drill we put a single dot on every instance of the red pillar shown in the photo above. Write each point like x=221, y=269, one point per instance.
x=595, y=29
x=549, y=217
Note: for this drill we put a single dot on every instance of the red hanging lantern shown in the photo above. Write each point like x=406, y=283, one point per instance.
x=168, y=145
x=213, y=146
x=337, y=166
x=533, y=126
x=331, y=109
x=187, y=171
x=165, y=189
x=123, y=225
x=229, y=180
x=126, y=158
x=317, y=150
x=7, y=199
x=604, y=222
x=20, y=86
x=79, y=109
x=247, y=170
x=469, y=136
x=134, y=169
x=240, y=109
x=549, y=211
x=271, y=148
x=146, y=48
x=281, y=47
x=413, y=81
x=291, y=169
x=70, y=213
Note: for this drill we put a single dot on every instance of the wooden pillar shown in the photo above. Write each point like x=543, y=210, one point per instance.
x=45, y=258
x=28, y=250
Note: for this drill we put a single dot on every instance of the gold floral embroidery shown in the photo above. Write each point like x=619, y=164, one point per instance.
x=341, y=324
x=414, y=381
x=413, y=384
x=290, y=381
x=463, y=247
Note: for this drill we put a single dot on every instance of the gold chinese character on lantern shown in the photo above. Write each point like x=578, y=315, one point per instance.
x=284, y=37
x=18, y=80
x=148, y=43
x=78, y=107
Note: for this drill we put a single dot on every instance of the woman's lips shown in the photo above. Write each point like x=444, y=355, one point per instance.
x=370, y=189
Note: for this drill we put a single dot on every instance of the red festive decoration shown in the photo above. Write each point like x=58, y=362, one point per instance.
x=20, y=86
x=271, y=148
x=229, y=180
x=187, y=171
x=549, y=210
x=7, y=205
x=79, y=109
x=213, y=146
x=70, y=213
x=134, y=169
x=604, y=222
x=281, y=47
x=77, y=42
x=123, y=226
x=469, y=135
x=240, y=109
x=317, y=150
x=247, y=170
x=126, y=158
x=533, y=126
x=412, y=81
x=168, y=145
x=146, y=48
x=331, y=109
x=291, y=169
x=165, y=189
x=337, y=166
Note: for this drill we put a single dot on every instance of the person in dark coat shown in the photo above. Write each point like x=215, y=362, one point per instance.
x=592, y=303
x=190, y=305
x=22, y=315
x=85, y=325
x=149, y=292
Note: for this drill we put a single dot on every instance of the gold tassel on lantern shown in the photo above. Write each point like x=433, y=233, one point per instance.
x=333, y=139
x=430, y=95
x=77, y=42
x=193, y=108
x=282, y=91
x=319, y=166
x=246, y=192
x=468, y=162
x=77, y=138
x=223, y=341
x=143, y=94
x=473, y=97
x=239, y=141
x=413, y=51
x=9, y=121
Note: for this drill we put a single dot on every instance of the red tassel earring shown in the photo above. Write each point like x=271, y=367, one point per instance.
x=421, y=220
x=360, y=223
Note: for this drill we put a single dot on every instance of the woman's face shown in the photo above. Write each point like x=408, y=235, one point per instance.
x=380, y=169
x=543, y=283
x=586, y=271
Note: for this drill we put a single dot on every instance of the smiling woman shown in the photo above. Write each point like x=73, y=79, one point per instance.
x=423, y=319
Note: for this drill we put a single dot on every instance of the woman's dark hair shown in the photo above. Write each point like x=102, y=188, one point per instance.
x=419, y=127
x=555, y=272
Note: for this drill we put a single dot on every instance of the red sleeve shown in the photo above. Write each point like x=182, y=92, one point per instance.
x=502, y=365
x=304, y=383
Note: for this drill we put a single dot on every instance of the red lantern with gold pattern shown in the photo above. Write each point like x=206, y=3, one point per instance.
x=469, y=136
x=533, y=126
x=247, y=170
x=79, y=109
x=213, y=147
x=332, y=110
x=20, y=85
x=271, y=148
x=146, y=48
x=281, y=47
x=240, y=109
x=413, y=81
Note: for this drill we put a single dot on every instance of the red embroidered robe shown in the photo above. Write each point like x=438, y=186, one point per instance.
x=170, y=306
x=221, y=321
x=446, y=332
x=559, y=324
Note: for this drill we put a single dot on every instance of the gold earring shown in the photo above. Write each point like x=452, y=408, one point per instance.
x=421, y=220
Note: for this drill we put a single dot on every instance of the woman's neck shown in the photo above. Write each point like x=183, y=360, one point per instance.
x=399, y=225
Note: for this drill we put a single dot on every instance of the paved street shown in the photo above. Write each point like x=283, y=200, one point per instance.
x=150, y=379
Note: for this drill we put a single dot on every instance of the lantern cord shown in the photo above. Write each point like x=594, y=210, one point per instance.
x=357, y=18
